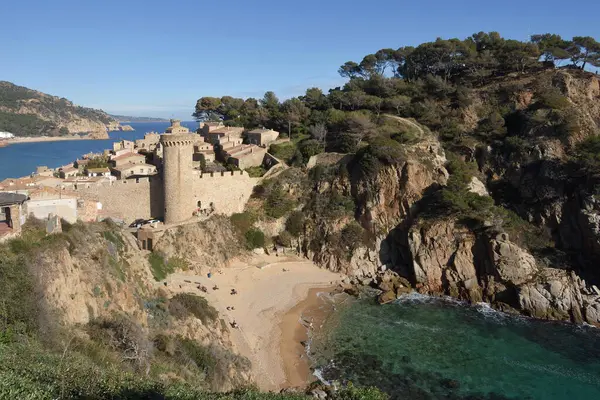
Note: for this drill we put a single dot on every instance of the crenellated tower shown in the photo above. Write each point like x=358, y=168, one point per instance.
x=177, y=143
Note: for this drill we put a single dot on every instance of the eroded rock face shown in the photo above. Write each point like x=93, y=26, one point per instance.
x=443, y=260
x=450, y=259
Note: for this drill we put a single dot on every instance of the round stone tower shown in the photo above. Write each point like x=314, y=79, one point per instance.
x=177, y=143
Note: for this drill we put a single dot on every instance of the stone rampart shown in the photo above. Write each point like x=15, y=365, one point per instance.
x=127, y=199
x=131, y=199
x=228, y=191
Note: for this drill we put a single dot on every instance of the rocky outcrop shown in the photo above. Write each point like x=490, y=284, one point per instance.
x=219, y=243
x=126, y=128
x=446, y=258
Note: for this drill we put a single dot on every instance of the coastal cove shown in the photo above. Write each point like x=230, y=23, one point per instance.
x=21, y=159
x=422, y=347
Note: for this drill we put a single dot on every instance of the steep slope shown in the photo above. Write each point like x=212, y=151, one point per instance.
x=27, y=112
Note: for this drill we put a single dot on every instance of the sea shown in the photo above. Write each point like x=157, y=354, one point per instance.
x=17, y=160
x=422, y=347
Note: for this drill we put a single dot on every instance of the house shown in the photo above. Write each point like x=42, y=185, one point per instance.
x=134, y=171
x=217, y=135
x=68, y=171
x=149, y=142
x=81, y=163
x=127, y=158
x=262, y=137
x=209, y=126
x=123, y=145
x=46, y=201
x=11, y=215
x=245, y=155
x=85, y=181
x=44, y=171
x=46, y=181
x=104, y=171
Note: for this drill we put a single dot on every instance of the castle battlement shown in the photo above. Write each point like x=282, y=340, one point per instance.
x=168, y=140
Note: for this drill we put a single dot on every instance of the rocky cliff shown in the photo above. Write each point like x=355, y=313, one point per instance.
x=514, y=221
x=27, y=112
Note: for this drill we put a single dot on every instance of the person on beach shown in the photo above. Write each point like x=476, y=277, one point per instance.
x=233, y=291
x=215, y=287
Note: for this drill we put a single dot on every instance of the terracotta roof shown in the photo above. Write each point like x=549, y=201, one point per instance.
x=102, y=169
x=45, y=191
x=127, y=155
x=126, y=167
x=261, y=131
x=83, y=179
x=227, y=130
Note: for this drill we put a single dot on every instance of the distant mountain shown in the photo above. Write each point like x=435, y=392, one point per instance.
x=125, y=118
x=27, y=112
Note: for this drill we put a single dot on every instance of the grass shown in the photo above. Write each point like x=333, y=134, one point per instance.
x=256, y=172
x=184, y=304
x=160, y=269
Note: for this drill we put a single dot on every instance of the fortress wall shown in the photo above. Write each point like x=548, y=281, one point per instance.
x=128, y=199
x=229, y=191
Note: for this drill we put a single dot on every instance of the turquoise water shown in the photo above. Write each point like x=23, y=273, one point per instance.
x=21, y=159
x=425, y=348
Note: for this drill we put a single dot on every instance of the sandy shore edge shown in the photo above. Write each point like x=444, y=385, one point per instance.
x=294, y=333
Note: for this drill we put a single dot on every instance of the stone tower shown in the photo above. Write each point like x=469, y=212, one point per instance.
x=177, y=143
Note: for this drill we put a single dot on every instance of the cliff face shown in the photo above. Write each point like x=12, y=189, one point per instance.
x=551, y=275
x=27, y=112
x=96, y=282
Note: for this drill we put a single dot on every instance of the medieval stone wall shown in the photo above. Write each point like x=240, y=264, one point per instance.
x=228, y=191
x=144, y=198
x=128, y=199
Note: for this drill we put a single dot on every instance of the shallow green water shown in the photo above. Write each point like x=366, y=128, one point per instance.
x=426, y=348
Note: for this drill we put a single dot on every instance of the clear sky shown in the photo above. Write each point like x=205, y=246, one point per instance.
x=156, y=58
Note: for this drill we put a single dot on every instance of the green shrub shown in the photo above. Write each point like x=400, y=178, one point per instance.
x=284, y=239
x=256, y=172
x=255, y=238
x=380, y=151
x=278, y=203
x=309, y=148
x=184, y=304
x=160, y=269
x=243, y=221
x=552, y=98
x=283, y=151
x=295, y=223
x=353, y=236
x=587, y=153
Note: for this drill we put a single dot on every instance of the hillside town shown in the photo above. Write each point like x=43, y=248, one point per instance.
x=94, y=187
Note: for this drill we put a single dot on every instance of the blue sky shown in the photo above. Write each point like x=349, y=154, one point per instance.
x=156, y=58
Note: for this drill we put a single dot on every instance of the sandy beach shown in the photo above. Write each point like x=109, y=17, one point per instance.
x=267, y=309
x=35, y=139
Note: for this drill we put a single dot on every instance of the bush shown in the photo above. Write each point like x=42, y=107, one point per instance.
x=256, y=172
x=380, y=151
x=353, y=236
x=255, y=238
x=283, y=151
x=295, y=223
x=160, y=269
x=278, y=203
x=284, y=239
x=242, y=221
x=309, y=148
x=184, y=304
x=587, y=153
